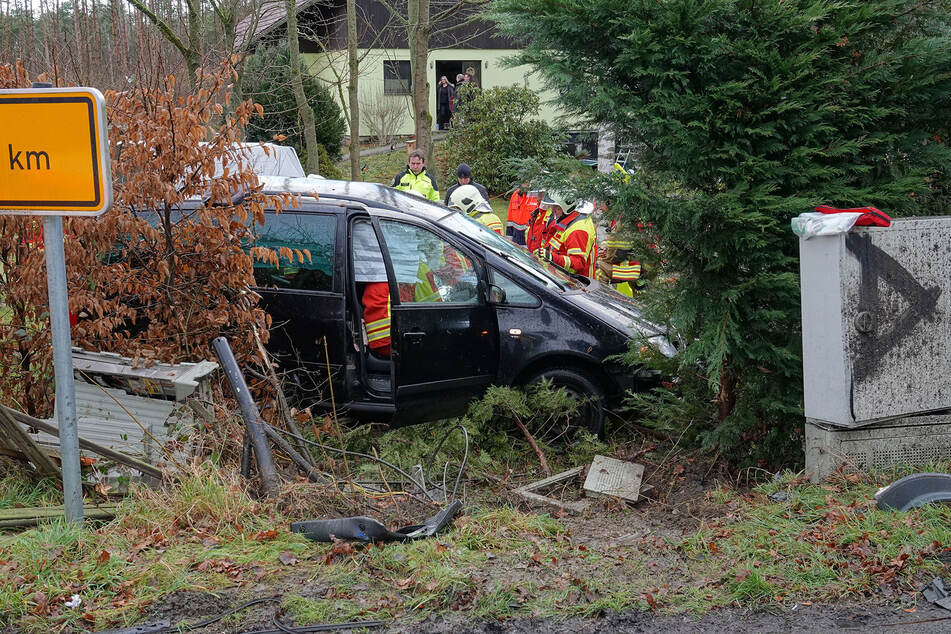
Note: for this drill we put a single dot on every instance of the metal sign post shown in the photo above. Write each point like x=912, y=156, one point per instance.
x=54, y=162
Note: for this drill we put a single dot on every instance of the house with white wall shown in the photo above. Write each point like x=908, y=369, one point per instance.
x=460, y=42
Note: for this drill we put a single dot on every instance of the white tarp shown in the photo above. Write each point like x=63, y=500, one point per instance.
x=267, y=159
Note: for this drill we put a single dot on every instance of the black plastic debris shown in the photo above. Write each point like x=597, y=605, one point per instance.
x=937, y=594
x=367, y=529
x=779, y=496
x=145, y=628
x=914, y=491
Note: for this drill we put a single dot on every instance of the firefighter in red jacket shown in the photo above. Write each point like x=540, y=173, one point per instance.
x=538, y=225
x=572, y=238
x=521, y=205
x=370, y=274
x=376, y=315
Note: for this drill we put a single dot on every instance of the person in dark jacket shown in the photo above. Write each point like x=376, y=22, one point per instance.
x=445, y=94
x=464, y=176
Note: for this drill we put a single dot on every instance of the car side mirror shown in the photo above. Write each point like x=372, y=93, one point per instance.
x=496, y=294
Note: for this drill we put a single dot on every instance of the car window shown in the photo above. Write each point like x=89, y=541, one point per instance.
x=367, y=257
x=548, y=274
x=313, y=233
x=428, y=269
x=515, y=295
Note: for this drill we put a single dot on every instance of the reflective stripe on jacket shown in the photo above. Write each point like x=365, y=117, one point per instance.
x=573, y=245
x=422, y=182
x=626, y=271
x=376, y=315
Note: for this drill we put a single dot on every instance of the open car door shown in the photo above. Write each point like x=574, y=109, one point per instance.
x=444, y=336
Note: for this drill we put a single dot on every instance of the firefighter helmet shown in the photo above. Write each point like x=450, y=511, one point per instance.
x=467, y=199
x=557, y=199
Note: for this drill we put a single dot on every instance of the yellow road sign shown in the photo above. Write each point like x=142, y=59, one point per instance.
x=54, y=152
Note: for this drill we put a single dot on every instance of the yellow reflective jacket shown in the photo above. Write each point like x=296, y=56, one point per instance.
x=422, y=182
x=489, y=219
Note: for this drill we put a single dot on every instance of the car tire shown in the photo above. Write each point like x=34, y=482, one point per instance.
x=579, y=384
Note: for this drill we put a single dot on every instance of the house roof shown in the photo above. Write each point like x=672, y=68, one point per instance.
x=326, y=20
x=271, y=17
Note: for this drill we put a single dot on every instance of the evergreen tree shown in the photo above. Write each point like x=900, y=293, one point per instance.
x=267, y=80
x=748, y=113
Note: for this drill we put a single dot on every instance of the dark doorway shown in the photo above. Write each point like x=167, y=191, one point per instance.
x=452, y=68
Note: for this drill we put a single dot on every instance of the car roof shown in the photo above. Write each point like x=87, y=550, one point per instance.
x=368, y=194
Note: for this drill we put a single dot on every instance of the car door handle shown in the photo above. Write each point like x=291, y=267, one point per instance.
x=414, y=338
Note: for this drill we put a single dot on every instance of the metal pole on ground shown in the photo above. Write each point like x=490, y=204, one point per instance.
x=262, y=453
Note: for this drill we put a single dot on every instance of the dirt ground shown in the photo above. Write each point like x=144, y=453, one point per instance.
x=816, y=619
x=671, y=511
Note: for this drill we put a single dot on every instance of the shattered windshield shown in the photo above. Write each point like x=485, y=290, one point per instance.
x=548, y=274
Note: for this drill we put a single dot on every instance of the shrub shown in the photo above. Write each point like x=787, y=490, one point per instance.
x=747, y=114
x=382, y=116
x=493, y=126
x=146, y=280
x=266, y=80
x=326, y=166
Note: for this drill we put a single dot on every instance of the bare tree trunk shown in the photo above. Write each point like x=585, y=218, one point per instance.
x=304, y=111
x=726, y=395
x=354, y=62
x=420, y=29
x=193, y=57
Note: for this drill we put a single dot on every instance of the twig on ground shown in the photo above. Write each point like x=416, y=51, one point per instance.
x=531, y=441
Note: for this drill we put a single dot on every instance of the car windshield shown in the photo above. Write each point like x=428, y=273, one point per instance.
x=548, y=274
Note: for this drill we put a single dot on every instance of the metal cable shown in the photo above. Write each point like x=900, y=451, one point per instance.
x=352, y=453
x=215, y=619
x=462, y=465
x=426, y=473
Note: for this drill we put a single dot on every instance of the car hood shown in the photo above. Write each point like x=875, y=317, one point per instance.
x=622, y=313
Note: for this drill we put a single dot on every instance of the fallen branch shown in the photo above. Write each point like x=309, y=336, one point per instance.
x=531, y=441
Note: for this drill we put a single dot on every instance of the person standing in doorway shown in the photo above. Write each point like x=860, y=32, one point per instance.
x=445, y=95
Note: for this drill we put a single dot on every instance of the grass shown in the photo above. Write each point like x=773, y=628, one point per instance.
x=18, y=491
x=825, y=543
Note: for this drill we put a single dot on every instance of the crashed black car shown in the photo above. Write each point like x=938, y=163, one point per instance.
x=503, y=318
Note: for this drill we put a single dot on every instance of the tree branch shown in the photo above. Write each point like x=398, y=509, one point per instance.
x=162, y=26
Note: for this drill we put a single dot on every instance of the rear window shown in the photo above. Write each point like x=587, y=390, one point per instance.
x=313, y=233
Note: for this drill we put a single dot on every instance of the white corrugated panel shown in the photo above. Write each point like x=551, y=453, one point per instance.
x=108, y=417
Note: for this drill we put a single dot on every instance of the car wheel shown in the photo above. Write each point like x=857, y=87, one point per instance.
x=582, y=386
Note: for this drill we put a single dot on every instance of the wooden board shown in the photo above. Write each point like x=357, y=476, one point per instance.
x=13, y=437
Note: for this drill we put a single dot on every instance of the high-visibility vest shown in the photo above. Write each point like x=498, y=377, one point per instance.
x=573, y=244
x=422, y=182
x=426, y=289
x=376, y=314
x=489, y=219
x=623, y=268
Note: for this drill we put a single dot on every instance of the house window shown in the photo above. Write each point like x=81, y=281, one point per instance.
x=397, y=79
